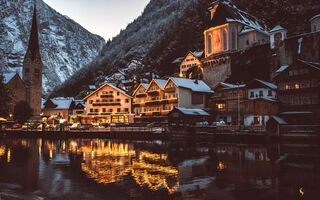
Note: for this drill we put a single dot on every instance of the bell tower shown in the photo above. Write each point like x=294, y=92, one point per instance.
x=32, y=68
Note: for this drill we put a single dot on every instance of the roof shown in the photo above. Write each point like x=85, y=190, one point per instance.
x=316, y=16
x=61, y=103
x=160, y=82
x=267, y=84
x=296, y=112
x=277, y=28
x=140, y=85
x=193, y=85
x=8, y=76
x=282, y=68
x=247, y=29
x=227, y=12
x=109, y=84
x=313, y=65
x=278, y=119
x=261, y=98
x=177, y=60
x=192, y=111
x=92, y=87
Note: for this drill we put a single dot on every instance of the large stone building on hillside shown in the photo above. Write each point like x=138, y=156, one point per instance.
x=231, y=30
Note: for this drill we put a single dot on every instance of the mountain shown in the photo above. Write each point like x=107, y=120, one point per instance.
x=65, y=46
x=167, y=29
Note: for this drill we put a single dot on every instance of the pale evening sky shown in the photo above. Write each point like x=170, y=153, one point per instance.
x=101, y=17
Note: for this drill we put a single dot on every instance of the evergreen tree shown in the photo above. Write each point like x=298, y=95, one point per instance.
x=4, y=98
x=22, y=112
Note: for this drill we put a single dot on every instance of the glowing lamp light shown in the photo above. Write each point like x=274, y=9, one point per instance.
x=10, y=115
x=301, y=191
x=180, y=75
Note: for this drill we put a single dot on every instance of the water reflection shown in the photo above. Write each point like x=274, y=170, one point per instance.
x=96, y=169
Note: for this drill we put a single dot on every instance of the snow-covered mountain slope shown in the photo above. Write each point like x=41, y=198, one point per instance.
x=65, y=46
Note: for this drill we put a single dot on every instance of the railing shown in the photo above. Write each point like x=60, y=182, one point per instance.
x=154, y=92
x=141, y=95
x=106, y=104
x=171, y=89
x=93, y=113
x=106, y=96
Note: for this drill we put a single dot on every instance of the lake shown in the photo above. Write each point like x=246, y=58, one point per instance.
x=120, y=169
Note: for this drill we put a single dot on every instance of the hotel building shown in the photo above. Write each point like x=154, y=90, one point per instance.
x=108, y=104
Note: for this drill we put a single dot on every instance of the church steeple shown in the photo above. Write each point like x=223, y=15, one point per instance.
x=32, y=68
x=33, y=46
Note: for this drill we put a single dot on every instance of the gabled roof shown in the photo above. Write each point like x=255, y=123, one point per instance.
x=278, y=119
x=312, y=65
x=92, y=87
x=192, y=111
x=109, y=84
x=61, y=103
x=140, y=85
x=227, y=12
x=263, y=83
x=160, y=82
x=177, y=60
x=193, y=85
x=9, y=76
x=196, y=54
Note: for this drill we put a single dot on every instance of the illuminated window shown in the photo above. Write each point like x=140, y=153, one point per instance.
x=297, y=86
x=287, y=87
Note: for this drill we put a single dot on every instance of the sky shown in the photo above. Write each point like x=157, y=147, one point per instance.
x=102, y=17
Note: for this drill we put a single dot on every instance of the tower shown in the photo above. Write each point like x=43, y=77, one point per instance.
x=32, y=68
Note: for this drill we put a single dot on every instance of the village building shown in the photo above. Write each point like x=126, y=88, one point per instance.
x=315, y=23
x=16, y=86
x=190, y=65
x=277, y=35
x=108, y=104
x=298, y=92
x=59, y=108
x=225, y=103
x=231, y=30
x=161, y=96
x=261, y=103
x=78, y=111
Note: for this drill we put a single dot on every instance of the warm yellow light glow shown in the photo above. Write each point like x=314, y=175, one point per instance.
x=301, y=191
x=287, y=87
x=221, y=166
x=297, y=86
x=10, y=115
x=9, y=155
x=2, y=150
x=50, y=154
x=180, y=75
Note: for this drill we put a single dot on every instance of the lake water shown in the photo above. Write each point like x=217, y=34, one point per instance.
x=114, y=169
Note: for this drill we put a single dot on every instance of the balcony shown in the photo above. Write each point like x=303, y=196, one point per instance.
x=93, y=113
x=170, y=89
x=154, y=92
x=79, y=112
x=104, y=96
x=165, y=112
x=141, y=95
x=153, y=102
x=106, y=104
x=106, y=113
x=172, y=100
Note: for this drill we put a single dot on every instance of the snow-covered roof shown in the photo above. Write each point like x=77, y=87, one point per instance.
x=193, y=85
x=177, y=60
x=111, y=85
x=277, y=28
x=92, y=87
x=233, y=14
x=316, y=16
x=230, y=86
x=161, y=82
x=61, y=103
x=268, y=84
x=279, y=120
x=311, y=64
x=145, y=85
x=197, y=54
x=192, y=111
x=282, y=68
x=247, y=29
x=9, y=76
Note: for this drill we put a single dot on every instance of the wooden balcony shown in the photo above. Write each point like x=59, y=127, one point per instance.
x=141, y=95
x=170, y=90
x=153, y=93
x=172, y=100
x=104, y=96
x=106, y=104
x=153, y=102
x=106, y=113
x=93, y=113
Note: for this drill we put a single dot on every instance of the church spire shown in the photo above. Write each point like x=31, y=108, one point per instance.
x=33, y=46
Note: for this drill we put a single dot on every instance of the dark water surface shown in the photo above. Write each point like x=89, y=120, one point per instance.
x=113, y=169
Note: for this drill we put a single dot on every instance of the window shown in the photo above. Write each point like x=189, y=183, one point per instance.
x=251, y=94
x=98, y=100
x=97, y=94
x=96, y=110
x=260, y=93
x=91, y=101
x=127, y=100
x=257, y=120
x=290, y=73
x=91, y=109
x=269, y=93
x=295, y=72
x=230, y=105
x=209, y=44
x=126, y=110
x=118, y=110
x=111, y=110
x=247, y=42
x=118, y=100
x=225, y=40
x=118, y=93
x=103, y=110
x=297, y=86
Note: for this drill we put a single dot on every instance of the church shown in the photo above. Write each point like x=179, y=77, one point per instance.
x=27, y=86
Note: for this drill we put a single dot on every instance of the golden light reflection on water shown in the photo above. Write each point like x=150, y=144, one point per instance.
x=9, y=155
x=111, y=162
x=301, y=192
x=2, y=150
